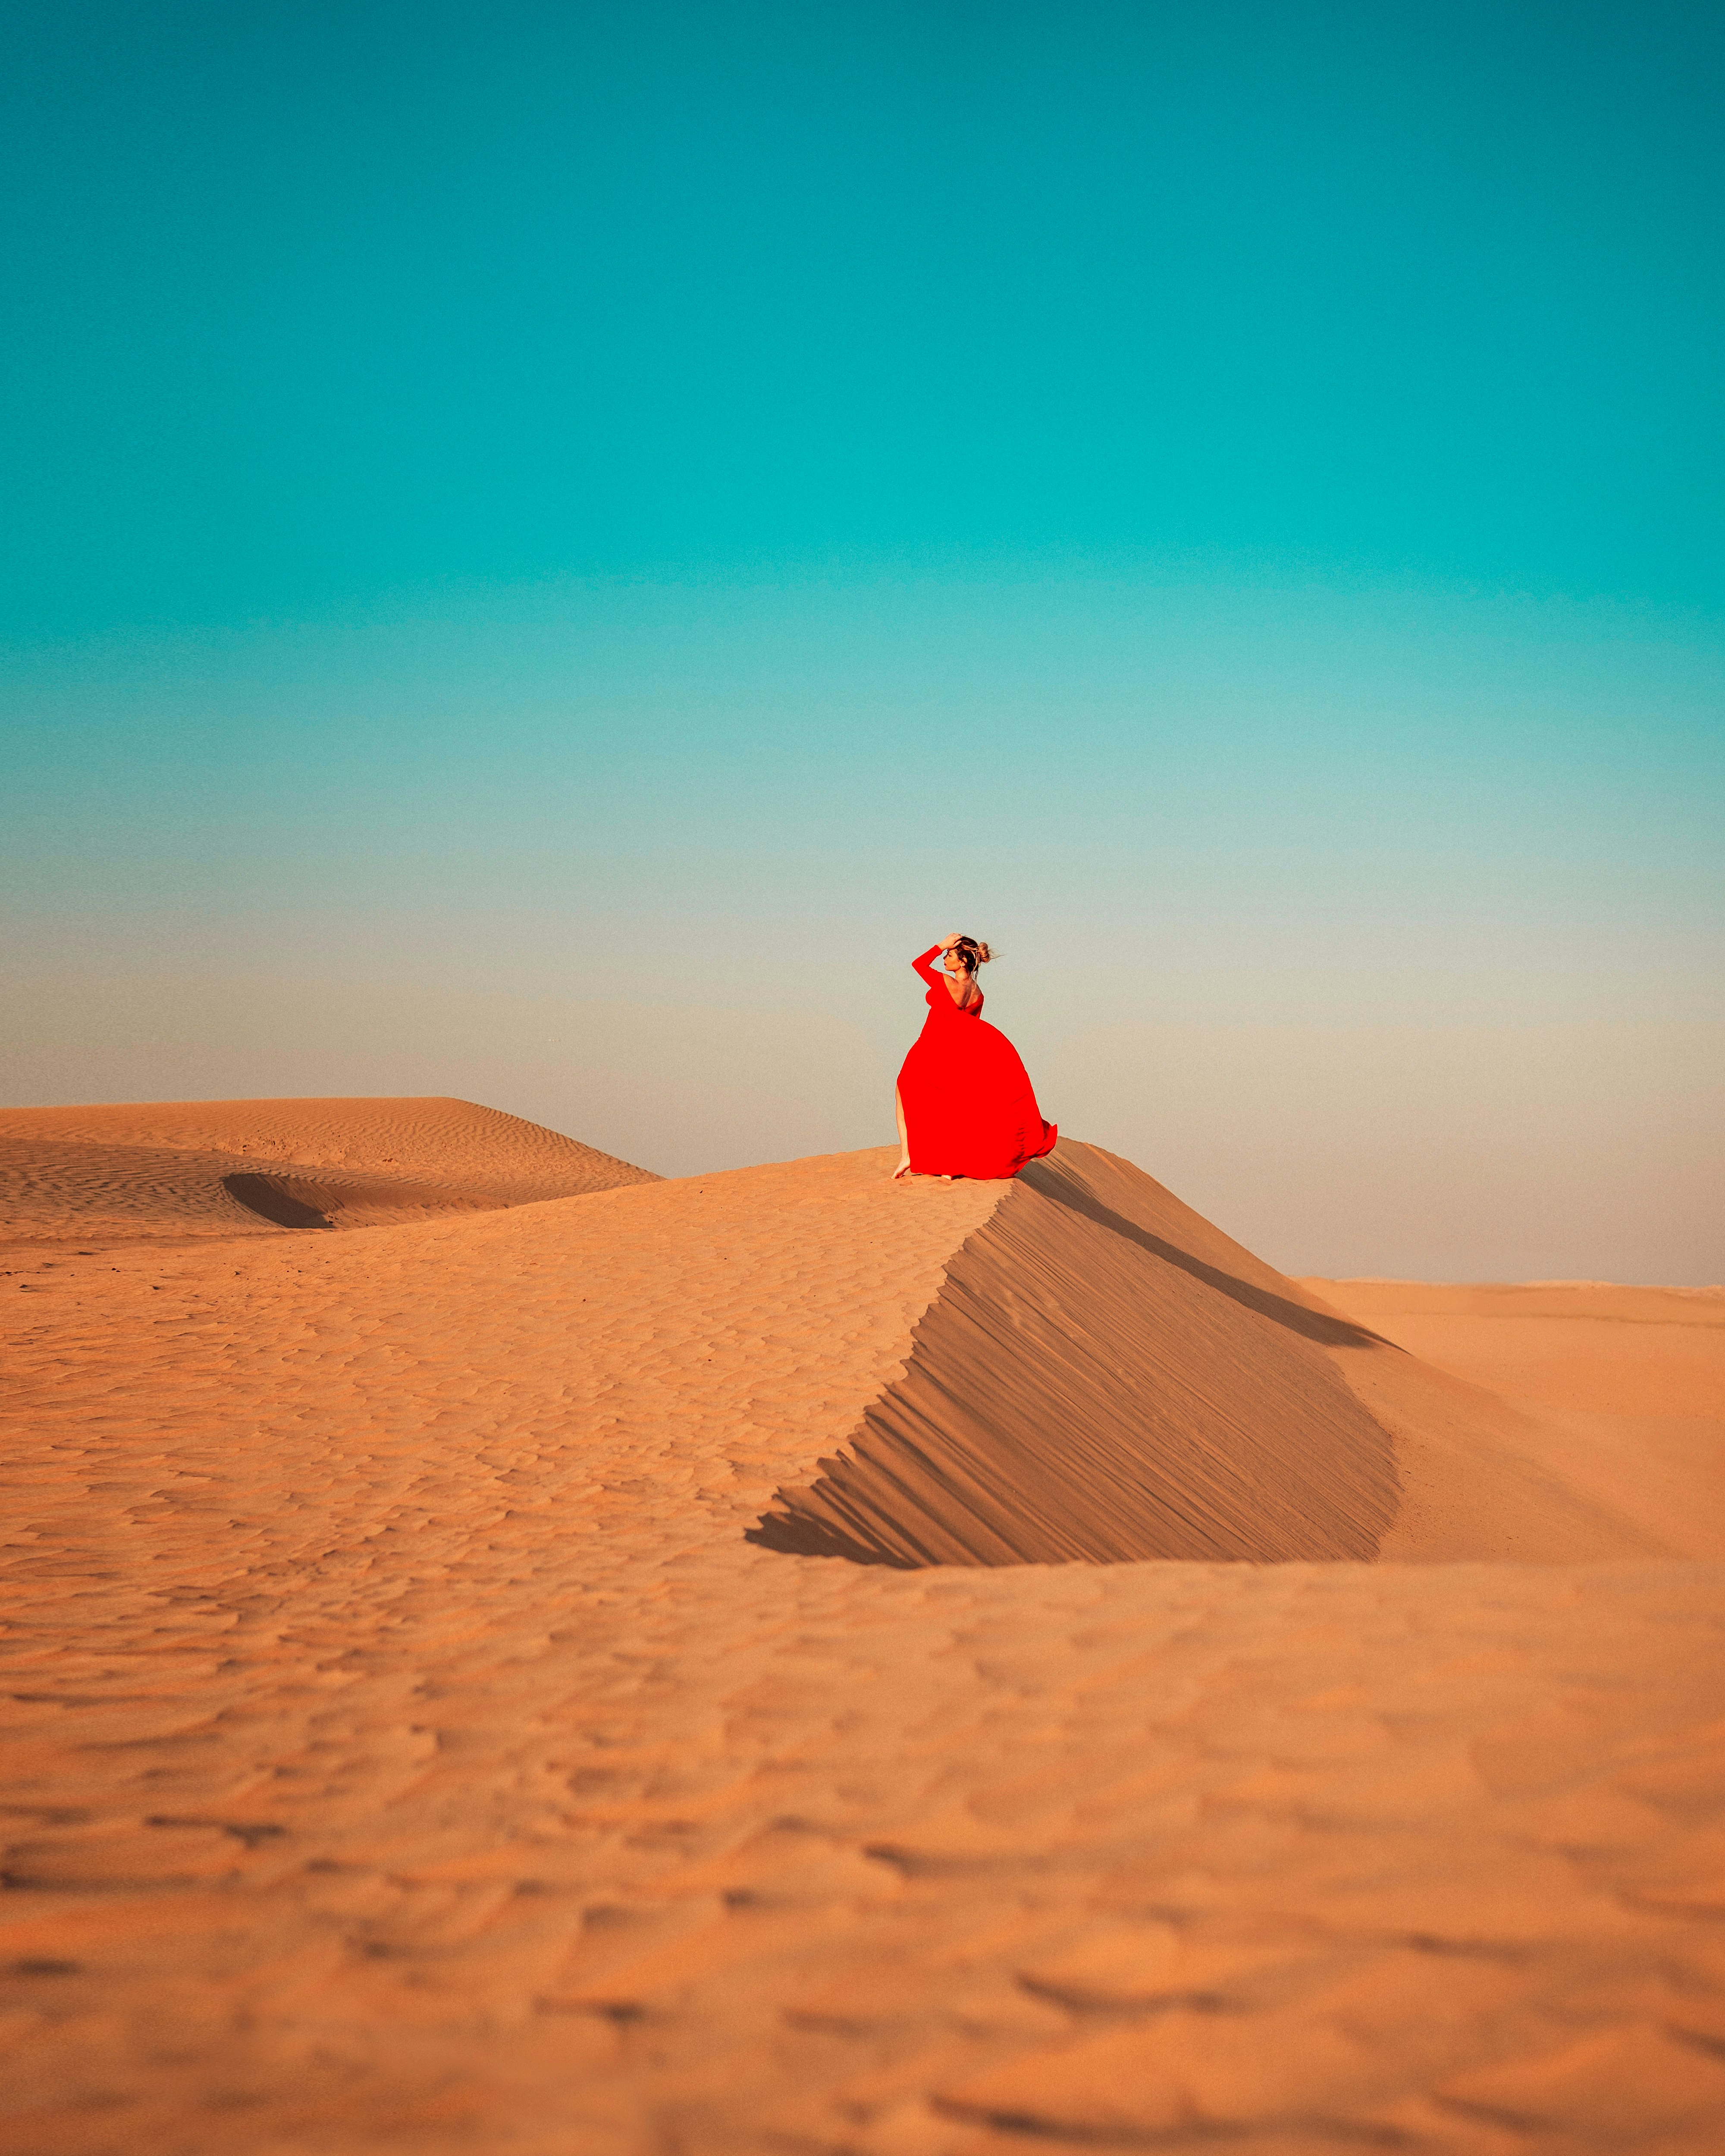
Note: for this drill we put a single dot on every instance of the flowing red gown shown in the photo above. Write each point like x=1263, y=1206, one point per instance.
x=969, y=1107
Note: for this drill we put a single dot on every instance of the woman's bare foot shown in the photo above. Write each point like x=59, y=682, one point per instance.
x=903, y=1168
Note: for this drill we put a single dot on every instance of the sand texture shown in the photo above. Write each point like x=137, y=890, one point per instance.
x=425, y=1729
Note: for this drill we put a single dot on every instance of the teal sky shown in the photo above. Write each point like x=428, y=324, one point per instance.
x=548, y=549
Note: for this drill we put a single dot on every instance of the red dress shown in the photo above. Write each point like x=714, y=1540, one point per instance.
x=969, y=1107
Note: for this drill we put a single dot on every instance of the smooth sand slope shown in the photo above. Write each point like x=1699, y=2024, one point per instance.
x=425, y=1733
x=1621, y=1389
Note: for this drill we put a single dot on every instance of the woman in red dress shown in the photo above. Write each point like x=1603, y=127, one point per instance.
x=965, y=1102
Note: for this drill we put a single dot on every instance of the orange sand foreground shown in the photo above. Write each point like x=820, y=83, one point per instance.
x=509, y=1653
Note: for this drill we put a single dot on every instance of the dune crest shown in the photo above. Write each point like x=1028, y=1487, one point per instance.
x=1104, y=1376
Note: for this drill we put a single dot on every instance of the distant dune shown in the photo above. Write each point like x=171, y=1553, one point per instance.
x=605, y=1673
x=174, y=1171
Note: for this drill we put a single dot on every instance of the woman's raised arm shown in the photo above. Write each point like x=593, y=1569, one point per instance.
x=935, y=980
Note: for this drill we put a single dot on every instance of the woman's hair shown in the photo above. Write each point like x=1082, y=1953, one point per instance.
x=971, y=953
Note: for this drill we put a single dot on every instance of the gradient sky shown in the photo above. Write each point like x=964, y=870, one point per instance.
x=549, y=549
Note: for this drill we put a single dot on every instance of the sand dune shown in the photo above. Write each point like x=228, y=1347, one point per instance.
x=180, y=1171
x=1088, y=1385
x=1105, y=1376
x=413, y=1742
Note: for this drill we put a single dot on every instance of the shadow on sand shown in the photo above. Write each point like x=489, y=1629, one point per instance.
x=1309, y=1324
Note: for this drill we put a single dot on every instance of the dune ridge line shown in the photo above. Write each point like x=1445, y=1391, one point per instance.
x=1104, y=1376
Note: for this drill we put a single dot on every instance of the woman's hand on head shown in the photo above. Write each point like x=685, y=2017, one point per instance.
x=948, y=941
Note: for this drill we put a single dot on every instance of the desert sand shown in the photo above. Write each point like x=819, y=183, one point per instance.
x=785, y=1661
